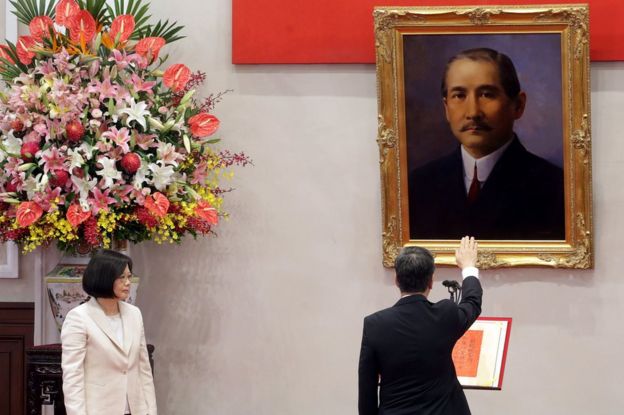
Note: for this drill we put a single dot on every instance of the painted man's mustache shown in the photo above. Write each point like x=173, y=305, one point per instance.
x=476, y=126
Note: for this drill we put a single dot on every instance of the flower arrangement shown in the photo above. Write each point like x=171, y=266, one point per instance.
x=99, y=140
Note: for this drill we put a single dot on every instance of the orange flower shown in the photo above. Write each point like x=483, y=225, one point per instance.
x=122, y=26
x=149, y=47
x=40, y=27
x=28, y=213
x=75, y=215
x=24, y=49
x=176, y=76
x=205, y=211
x=4, y=54
x=157, y=204
x=65, y=10
x=81, y=27
x=203, y=124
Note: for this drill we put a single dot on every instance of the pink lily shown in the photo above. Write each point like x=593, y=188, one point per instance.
x=100, y=200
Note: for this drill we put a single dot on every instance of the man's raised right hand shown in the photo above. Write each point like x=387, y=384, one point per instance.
x=466, y=254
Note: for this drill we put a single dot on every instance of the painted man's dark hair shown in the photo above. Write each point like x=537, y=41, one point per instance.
x=506, y=69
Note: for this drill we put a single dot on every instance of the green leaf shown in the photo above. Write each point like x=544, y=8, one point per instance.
x=137, y=8
x=26, y=10
x=167, y=30
x=9, y=70
x=98, y=9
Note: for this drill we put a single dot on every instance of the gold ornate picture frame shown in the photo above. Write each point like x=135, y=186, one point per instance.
x=549, y=47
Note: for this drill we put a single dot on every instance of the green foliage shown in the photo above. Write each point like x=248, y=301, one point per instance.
x=8, y=70
x=139, y=9
x=98, y=9
x=26, y=10
x=167, y=30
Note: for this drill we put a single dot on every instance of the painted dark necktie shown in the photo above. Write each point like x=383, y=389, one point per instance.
x=473, y=191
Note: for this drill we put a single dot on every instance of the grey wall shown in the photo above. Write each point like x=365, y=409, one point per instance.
x=266, y=318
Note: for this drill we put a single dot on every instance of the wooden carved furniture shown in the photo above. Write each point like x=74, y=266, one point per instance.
x=16, y=336
x=45, y=378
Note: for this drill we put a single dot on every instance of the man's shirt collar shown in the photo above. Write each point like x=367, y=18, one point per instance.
x=485, y=164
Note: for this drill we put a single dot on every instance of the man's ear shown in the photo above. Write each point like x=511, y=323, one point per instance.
x=519, y=105
x=431, y=282
x=446, y=114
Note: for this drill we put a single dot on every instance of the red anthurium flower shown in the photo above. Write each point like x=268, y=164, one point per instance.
x=149, y=47
x=24, y=49
x=203, y=124
x=28, y=213
x=81, y=27
x=65, y=10
x=205, y=211
x=4, y=54
x=122, y=26
x=40, y=27
x=75, y=215
x=157, y=204
x=176, y=76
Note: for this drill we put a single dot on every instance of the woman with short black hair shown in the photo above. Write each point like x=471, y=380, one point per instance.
x=106, y=367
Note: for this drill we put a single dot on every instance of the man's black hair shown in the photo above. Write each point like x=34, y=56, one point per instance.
x=414, y=269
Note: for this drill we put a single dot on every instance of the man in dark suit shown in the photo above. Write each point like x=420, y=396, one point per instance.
x=490, y=186
x=408, y=346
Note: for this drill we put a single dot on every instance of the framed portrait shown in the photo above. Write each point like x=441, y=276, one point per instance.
x=481, y=353
x=484, y=130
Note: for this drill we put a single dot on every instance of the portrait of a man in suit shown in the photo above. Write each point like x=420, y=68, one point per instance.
x=490, y=185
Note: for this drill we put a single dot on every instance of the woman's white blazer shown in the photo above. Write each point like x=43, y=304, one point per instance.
x=98, y=372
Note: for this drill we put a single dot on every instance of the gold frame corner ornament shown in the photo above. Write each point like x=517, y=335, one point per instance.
x=479, y=16
x=572, y=24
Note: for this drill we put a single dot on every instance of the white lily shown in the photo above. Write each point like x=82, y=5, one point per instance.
x=161, y=175
x=140, y=176
x=137, y=111
x=75, y=159
x=83, y=186
x=87, y=150
x=108, y=172
x=35, y=184
x=12, y=144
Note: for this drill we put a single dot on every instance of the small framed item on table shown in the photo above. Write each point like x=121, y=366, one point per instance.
x=480, y=354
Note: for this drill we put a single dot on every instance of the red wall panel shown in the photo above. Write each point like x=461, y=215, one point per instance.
x=341, y=31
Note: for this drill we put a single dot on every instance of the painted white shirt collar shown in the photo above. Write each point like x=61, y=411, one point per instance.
x=485, y=164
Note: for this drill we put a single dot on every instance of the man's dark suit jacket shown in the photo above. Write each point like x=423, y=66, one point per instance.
x=521, y=199
x=410, y=345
